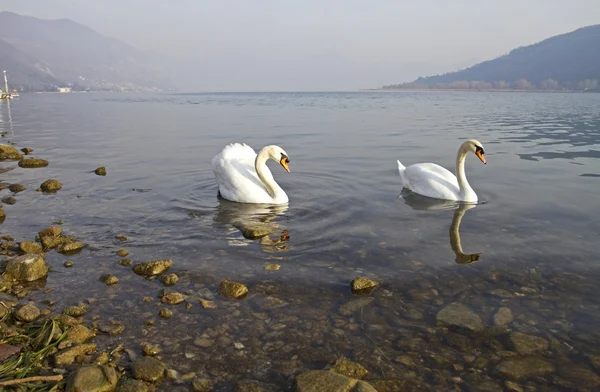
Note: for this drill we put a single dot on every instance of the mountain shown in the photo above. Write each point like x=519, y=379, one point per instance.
x=41, y=54
x=564, y=62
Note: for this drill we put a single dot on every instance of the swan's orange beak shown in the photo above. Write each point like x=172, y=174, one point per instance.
x=481, y=157
x=284, y=162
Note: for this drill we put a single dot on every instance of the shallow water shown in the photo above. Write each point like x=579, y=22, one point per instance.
x=536, y=228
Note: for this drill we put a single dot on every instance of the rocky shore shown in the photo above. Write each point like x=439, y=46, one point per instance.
x=498, y=330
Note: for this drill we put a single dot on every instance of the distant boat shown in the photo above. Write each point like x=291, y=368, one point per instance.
x=6, y=94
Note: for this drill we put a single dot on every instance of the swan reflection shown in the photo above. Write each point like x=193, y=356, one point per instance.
x=423, y=203
x=255, y=222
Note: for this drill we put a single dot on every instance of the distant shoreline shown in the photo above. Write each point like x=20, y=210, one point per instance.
x=482, y=90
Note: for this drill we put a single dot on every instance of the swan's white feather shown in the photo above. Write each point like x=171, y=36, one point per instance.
x=430, y=179
x=236, y=176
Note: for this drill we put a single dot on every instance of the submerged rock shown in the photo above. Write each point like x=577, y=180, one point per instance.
x=169, y=279
x=527, y=344
x=503, y=316
x=525, y=367
x=148, y=369
x=362, y=284
x=131, y=385
x=51, y=185
x=232, y=289
x=29, y=163
x=30, y=247
x=75, y=310
x=67, y=356
x=152, y=268
x=347, y=368
x=94, y=378
x=165, y=313
x=151, y=349
x=252, y=386
x=322, y=380
x=202, y=385
x=457, y=315
x=16, y=188
x=68, y=248
x=173, y=298
x=9, y=200
x=109, y=279
x=27, y=313
x=9, y=153
x=27, y=268
x=101, y=171
x=579, y=376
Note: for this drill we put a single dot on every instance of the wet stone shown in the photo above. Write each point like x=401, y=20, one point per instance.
x=112, y=328
x=362, y=284
x=148, y=369
x=30, y=247
x=527, y=344
x=165, y=313
x=203, y=342
x=68, y=264
x=202, y=385
x=173, y=298
x=9, y=200
x=503, y=316
x=502, y=293
x=79, y=334
x=67, y=356
x=315, y=380
x=125, y=262
x=16, y=188
x=151, y=349
x=123, y=253
x=152, y=268
x=70, y=247
x=75, y=310
x=347, y=368
x=525, y=367
x=131, y=385
x=253, y=386
x=9, y=153
x=233, y=289
x=26, y=150
x=457, y=315
x=169, y=279
x=109, y=279
x=354, y=305
x=579, y=376
x=51, y=185
x=272, y=267
x=94, y=378
x=31, y=163
x=27, y=313
x=101, y=171
x=27, y=268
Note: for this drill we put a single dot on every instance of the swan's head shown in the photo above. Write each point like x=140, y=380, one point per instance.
x=278, y=154
x=476, y=148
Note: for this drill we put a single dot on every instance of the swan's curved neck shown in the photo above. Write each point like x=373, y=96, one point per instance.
x=260, y=164
x=463, y=184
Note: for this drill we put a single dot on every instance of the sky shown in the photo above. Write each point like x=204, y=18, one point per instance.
x=285, y=45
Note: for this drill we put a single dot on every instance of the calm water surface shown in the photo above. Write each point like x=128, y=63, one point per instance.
x=536, y=230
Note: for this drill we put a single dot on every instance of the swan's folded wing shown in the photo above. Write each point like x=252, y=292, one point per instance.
x=432, y=180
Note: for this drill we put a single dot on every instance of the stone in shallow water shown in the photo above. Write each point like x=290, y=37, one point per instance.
x=9, y=153
x=347, y=368
x=579, y=376
x=148, y=369
x=9, y=200
x=92, y=378
x=152, y=268
x=316, y=380
x=67, y=356
x=109, y=279
x=51, y=185
x=131, y=385
x=457, y=315
x=202, y=385
x=361, y=284
x=123, y=253
x=173, y=298
x=354, y=304
x=32, y=163
x=79, y=334
x=101, y=171
x=527, y=344
x=16, y=188
x=30, y=247
x=165, y=313
x=525, y=367
x=75, y=310
x=503, y=316
x=27, y=313
x=27, y=268
x=253, y=386
x=232, y=289
x=70, y=247
x=169, y=279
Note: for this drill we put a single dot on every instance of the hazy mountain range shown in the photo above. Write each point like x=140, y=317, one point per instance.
x=564, y=62
x=40, y=55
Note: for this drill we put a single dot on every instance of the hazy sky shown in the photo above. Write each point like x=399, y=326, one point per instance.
x=258, y=45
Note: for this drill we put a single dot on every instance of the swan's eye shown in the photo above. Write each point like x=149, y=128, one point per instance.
x=284, y=159
x=479, y=149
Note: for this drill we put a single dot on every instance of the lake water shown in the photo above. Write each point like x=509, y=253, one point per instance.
x=536, y=231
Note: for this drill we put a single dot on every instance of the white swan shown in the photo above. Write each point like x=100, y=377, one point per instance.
x=243, y=175
x=432, y=180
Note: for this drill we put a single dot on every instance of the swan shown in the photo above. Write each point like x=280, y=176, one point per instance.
x=243, y=176
x=432, y=180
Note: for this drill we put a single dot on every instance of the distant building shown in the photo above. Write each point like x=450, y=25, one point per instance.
x=64, y=89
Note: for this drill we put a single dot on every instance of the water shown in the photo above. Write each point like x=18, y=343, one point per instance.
x=537, y=226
